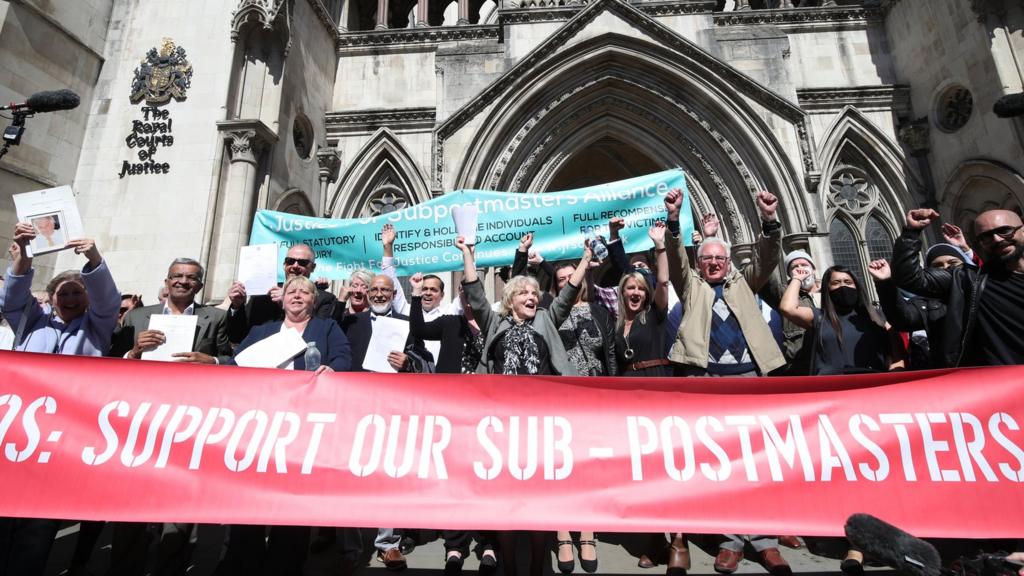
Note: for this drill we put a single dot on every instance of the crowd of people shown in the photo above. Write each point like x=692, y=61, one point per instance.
x=671, y=311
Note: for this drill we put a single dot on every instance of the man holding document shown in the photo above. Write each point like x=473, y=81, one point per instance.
x=179, y=330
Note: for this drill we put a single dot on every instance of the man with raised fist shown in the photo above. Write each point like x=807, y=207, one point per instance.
x=984, y=306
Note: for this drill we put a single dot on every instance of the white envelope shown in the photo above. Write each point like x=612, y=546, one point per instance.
x=179, y=331
x=389, y=334
x=257, y=268
x=273, y=351
x=466, y=217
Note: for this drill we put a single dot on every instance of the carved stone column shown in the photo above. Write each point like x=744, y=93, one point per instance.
x=915, y=136
x=330, y=166
x=236, y=204
x=382, y=15
x=463, y=13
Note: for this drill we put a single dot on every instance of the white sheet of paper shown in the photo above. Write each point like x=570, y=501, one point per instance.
x=180, y=332
x=257, y=268
x=466, y=217
x=434, y=347
x=273, y=351
x=389, y=334
x=59, y=208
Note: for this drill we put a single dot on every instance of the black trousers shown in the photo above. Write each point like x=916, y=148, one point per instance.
x=25, y=545
x=250, y=552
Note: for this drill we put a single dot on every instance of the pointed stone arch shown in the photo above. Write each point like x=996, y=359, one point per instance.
x=688, y=114
x=382, y=168
x=854, y=141
x=978, y=185
x=295, y=201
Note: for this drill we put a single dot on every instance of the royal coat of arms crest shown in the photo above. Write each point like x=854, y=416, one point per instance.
x=162, y=75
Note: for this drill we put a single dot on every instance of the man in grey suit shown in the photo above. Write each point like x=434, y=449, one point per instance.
x=210, y=346
x=184, y=281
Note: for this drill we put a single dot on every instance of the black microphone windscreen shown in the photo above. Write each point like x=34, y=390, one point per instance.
x=891, y=546
x=1009, y=106
x=51, y=101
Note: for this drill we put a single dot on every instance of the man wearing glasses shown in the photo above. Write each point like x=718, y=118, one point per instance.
x=184, y=281
x=130, y=542
x=985, y=306
x=724, y=333
x=261, y=308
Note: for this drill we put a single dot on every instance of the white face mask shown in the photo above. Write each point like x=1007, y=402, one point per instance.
x=382, y=309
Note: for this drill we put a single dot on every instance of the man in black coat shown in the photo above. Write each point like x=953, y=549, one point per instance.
x=261, y=308
x=985, y=307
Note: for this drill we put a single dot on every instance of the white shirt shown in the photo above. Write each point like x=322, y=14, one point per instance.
x=402, y=306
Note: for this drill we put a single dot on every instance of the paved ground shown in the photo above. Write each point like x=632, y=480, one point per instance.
x=617, y=555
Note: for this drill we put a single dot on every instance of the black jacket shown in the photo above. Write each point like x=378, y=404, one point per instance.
x=916, y=313
x=451, y=331
x=959, y=288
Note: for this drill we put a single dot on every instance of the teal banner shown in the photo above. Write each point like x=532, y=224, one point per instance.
x=425, y=242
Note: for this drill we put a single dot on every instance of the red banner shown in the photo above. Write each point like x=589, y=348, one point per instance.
x=936, y=453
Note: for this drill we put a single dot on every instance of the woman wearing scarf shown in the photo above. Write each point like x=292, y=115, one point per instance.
x=522, y=338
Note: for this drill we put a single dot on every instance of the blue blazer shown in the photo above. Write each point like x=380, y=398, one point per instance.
x=330, y=340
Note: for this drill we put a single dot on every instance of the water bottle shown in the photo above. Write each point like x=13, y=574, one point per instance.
x=599, y=248
x=312, y=356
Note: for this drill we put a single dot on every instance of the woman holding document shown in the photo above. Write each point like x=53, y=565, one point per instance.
x=81, y=321
x=298, y=300
x=249, y=549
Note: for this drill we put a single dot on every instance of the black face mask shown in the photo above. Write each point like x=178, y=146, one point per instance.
x=844, y=297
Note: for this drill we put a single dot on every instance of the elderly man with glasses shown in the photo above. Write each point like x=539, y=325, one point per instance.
x=261, y=308
x=724, y=333
x=985, y=306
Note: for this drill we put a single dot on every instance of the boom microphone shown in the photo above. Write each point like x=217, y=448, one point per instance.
x=891, y=546
x=49, y=101
x=1009, y=106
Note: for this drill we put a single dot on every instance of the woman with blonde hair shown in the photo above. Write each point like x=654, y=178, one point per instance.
x=522, y=338
x=640, y=330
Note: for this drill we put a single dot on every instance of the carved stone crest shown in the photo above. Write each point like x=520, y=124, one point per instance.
x=162, y=75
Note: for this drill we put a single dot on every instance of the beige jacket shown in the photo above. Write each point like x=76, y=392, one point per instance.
x=697, y=297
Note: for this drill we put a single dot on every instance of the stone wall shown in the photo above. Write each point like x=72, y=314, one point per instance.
x=142, y=222
x=47, y=46
x=938, y=44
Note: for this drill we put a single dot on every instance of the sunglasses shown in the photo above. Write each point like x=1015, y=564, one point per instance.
x=1004, y=232
x=300, y=261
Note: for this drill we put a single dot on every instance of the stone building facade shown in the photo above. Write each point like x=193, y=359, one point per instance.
x=851, y=111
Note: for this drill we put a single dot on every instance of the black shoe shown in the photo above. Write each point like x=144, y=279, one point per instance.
x=453, y=565
x=852, y=567
x=488, y=565
x=565, y=566
x=407, y=544
x=589, y=566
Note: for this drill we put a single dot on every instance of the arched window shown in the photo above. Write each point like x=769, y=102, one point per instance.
x=879, y=241
x=857, y=231
x=844, y=246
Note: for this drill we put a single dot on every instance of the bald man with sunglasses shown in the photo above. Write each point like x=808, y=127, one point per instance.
x=262, y=308
x=985, y=306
